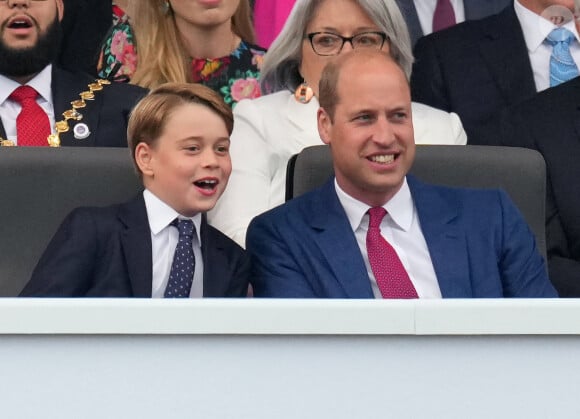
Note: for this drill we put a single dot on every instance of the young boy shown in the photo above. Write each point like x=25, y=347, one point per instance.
x=158, y=244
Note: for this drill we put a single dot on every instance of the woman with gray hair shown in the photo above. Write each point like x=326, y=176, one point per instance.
x=270, y=129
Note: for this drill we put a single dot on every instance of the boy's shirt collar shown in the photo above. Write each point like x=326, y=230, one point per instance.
x=160, y=214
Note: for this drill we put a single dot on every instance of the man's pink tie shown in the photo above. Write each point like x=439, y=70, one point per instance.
x=444, y=15
x=391, y=276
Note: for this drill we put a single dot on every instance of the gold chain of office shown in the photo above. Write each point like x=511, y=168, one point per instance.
x=72, y=113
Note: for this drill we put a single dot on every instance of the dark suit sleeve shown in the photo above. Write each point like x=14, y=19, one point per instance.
x=275, y=270
x=501, y=131
x=522, y=268
x=118, y=102
x=564, y=269
x=69, y=262
x=564, y=274
x=122, y=98
x=84, y=26
x=427, y=82
x=513, y=130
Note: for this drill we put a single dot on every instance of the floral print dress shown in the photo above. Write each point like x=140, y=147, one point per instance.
x=118, y=58
x=234, y=77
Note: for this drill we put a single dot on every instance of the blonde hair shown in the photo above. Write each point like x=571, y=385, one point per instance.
x=149, y=117
x=161, y=55
x=242, y=23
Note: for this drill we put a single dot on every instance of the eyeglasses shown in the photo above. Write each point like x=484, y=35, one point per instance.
x=327, y=43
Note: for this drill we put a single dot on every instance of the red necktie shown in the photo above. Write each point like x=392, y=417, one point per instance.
x=391, y=276
x=32, y=125
x=444, y=15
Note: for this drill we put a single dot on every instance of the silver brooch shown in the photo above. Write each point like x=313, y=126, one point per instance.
x=81, y=131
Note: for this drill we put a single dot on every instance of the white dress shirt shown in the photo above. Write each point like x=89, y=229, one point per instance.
x=426, y=10
x=9, y=109
x=164, y=238
x=402, y=229
x=536, y=29
x=269, y=130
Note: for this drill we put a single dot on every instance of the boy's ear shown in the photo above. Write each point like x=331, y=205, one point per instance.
x=143, y=157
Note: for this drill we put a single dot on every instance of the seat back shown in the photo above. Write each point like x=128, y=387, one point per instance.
x=40, y=186
x=520, y=172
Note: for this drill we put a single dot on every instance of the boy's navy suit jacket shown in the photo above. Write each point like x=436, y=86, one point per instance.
x=106, y=252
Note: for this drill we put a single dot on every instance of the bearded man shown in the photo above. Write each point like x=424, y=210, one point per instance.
x=41, y=104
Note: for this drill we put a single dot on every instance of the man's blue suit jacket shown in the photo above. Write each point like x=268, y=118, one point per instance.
x=479, y=244
x=106, y=252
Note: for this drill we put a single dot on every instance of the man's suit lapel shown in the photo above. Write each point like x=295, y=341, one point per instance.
x=473, y=8
x=215, y=272
x=337, y=242
x=505, y=53
x=65, y=89
x=446, y=241
x=576, y=96
x=478, y=9
x=136, y=242
x=407, y=8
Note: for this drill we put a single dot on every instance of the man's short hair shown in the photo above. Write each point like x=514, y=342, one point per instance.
x=149, y=117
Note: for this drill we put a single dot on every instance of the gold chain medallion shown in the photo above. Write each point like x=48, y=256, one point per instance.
x=62, y=126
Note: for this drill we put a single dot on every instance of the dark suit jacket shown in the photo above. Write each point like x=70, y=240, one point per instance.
x=106, y=115
x=474, y=69
x=474, y=9
x=106, y=252
x=550, y=123
x=479, y=244
x=84, y=27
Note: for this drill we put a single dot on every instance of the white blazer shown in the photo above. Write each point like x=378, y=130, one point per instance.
x=269, y=130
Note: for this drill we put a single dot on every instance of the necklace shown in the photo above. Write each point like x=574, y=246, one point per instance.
x=234, y=43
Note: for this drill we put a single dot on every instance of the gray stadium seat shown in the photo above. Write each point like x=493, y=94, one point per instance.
x=40, y=186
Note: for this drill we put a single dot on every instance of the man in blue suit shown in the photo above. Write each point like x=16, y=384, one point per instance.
x=450, y=242
x=463, y=9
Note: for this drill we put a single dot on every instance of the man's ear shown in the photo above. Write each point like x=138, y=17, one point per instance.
x=60, y=9
x=143, y=159
x=324, y=125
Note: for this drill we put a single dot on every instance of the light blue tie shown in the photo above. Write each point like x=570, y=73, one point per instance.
x=183, y=266
x=562, y=65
